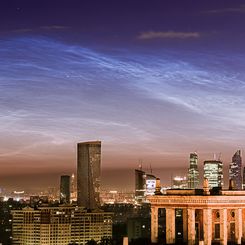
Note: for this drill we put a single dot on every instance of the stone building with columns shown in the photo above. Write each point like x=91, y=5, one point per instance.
x=207, y=217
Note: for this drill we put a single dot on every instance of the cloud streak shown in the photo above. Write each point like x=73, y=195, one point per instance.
x=233, y=10
x=168, y=35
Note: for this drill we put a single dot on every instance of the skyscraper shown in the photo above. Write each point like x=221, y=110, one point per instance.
x=88, y=174
x=65, y=189
x=193, y=173
x=213, y=171
x=139, y=185
x=235, y=170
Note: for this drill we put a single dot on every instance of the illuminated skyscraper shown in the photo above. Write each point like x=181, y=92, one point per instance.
x=193, y=173
x=235, y=170
x=213, y=171
x=65, y=189
x=88, y=174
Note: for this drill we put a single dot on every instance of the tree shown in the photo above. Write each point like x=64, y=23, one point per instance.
x=106, y=241
x=91, y=242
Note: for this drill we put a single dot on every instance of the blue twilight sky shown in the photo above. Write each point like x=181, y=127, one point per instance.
x=152, y=80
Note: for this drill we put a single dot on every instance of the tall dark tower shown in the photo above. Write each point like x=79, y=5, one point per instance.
x=88, y=174
x=235, y=170
x=140, y=187
x=65, y=189
x=193, y=173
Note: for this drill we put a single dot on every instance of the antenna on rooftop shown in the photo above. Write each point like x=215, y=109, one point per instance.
x=150, y=169
x=219, y=156
x=214, y=156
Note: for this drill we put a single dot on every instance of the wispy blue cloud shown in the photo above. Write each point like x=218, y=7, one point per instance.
x=55, y=93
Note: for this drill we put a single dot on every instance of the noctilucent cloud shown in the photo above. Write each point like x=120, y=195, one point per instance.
x=152, y=93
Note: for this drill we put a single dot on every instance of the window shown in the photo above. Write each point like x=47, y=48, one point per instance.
x=217, y=231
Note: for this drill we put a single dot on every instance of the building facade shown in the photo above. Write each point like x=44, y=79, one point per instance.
x=213, y=172
x=179, y=182
x=235, y=170
x=59, y=226
x=145, y=185
x=88, y=174
x=205, y=217
x=65, y=192
x=193, y=173
x=150, y=184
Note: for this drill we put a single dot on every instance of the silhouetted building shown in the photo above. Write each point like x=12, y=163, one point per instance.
x=138, y=227
x=139, y=185
x=235, y=170
x=38, y=200
x=59, y=225
x=65, y=192
x=213, y=172
x=88, y=174
x=145, y=184
x=193, y=173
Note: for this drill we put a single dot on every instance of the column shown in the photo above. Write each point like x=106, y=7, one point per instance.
x=238, y=225
x=170, y=225
x=223, y=226
x=185, y=225
x=191, y=226
x=207, y=226
x=154, y=224
x=243, y=226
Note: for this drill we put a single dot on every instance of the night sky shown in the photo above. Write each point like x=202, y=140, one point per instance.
x=153, y=80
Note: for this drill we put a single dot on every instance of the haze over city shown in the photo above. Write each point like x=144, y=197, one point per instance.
x=153, y=81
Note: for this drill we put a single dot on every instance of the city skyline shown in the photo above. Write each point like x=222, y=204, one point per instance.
x=152, y=81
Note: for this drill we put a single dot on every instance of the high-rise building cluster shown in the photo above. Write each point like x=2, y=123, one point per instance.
x=213, y=172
